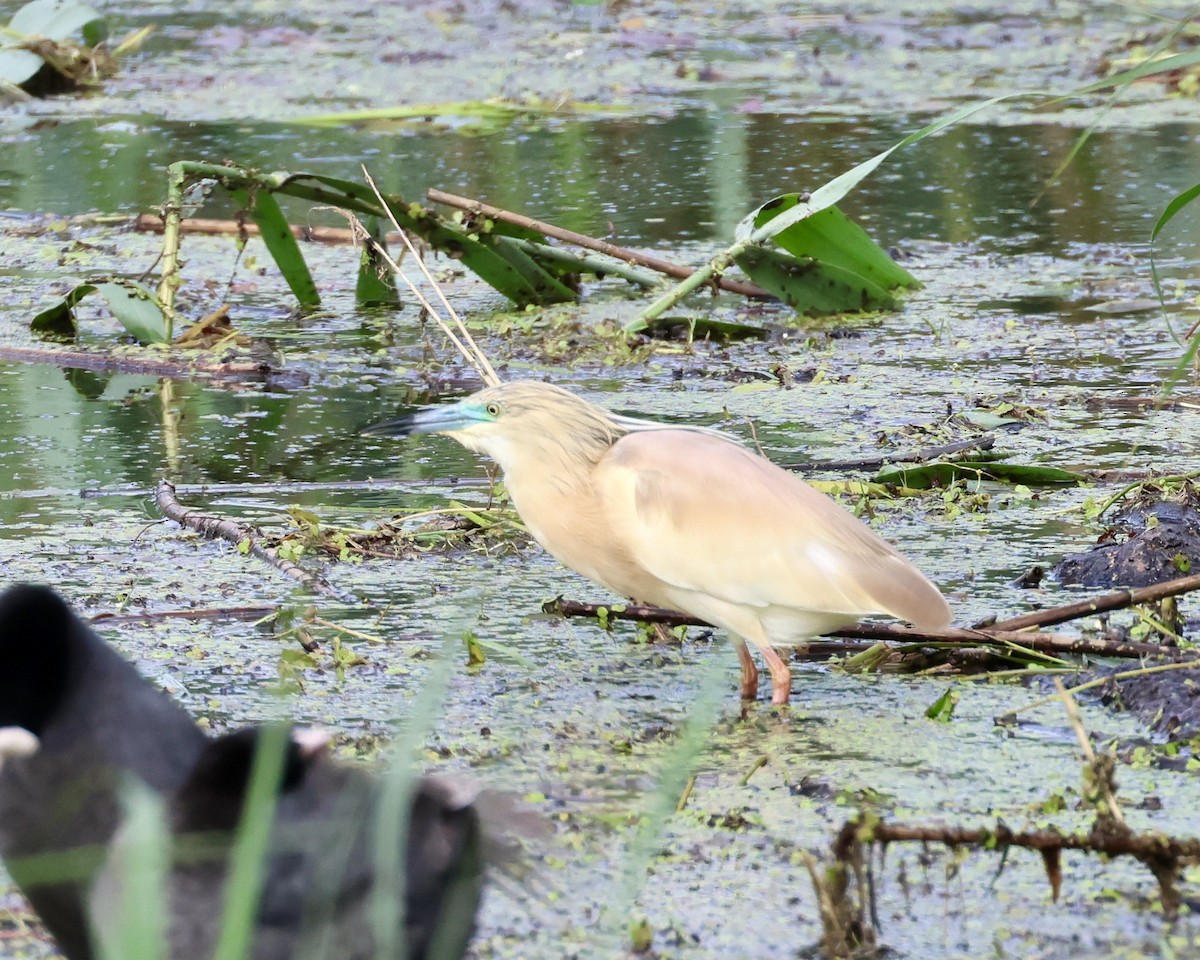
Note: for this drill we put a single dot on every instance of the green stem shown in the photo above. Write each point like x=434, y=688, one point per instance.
x=717, y=265
x=599, y=266
x=172, y=214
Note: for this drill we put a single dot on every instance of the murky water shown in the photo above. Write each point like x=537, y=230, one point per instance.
x=583, y=716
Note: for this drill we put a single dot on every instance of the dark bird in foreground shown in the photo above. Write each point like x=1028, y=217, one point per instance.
x=77, y=722
x=321, y=867
x=95, y=720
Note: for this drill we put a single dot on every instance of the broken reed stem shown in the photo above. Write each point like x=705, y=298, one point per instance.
x=1011, y=715
x=475, y=356
x=1101, y=780
x=992, y=636
x=223, y=528
x=676, y=270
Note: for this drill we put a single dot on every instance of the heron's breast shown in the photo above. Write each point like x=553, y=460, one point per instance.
x=571, y=525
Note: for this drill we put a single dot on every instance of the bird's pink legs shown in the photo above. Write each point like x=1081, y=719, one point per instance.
x=749, y=685
x=781, y=676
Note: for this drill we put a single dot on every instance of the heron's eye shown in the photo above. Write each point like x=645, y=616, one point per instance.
x=493, y=409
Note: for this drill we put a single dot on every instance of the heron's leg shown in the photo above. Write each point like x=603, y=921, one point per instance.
x=749, y=684
x=781, y=675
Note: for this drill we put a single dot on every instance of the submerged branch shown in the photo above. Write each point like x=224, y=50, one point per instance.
x=983, y=442
x=153, y=223
x=997, y=636
x=256, y=612
x=677, y=270
x=1165, y=856
x=248, y=371
x=223, y=528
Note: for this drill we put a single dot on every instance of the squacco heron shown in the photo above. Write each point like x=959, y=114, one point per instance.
x=684, y=518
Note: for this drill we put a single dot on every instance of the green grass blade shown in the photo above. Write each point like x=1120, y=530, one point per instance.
x=837, y=188
x=386, y=909
x=658, y=806
x=135, y=927
x=248, y=859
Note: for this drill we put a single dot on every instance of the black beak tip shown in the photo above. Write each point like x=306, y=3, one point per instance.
x=388, y=428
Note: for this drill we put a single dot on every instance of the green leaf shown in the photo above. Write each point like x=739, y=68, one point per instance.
x=87, y=383
x=942, y=709
x=928, y=475
x=376, y=285
x=832, y=238
x=55, y=20
x=59, y=20
x=498, y=264
x=810, y=287
x=277, y=235
x=138, y=310
x=133, y=305
x=475, y=655
x=59, y=319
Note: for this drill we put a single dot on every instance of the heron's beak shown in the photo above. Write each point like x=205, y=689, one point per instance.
x=442, y=419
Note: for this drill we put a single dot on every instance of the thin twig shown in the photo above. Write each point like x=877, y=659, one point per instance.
x=1112, y=810
x=248, y=371
x=226, y=529
x=991, y=636
x=256, y=612
x=1010, y=717
x=677, y=270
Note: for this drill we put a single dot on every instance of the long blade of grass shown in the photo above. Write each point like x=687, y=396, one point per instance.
x=135, y=926
x=248, y=859
x=277, y=236
x=1178, y=203
x=1123, y=82
x=391, y=828
x=660, y=805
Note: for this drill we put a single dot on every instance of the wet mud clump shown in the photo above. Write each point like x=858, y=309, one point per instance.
x=1168, y=702
x=1154, y=539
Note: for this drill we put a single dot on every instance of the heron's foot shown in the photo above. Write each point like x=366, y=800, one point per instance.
x=749, y=682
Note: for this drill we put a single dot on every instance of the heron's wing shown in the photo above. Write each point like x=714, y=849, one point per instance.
x=704, y=514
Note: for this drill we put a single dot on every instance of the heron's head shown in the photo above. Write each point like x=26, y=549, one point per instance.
x=520, y=419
